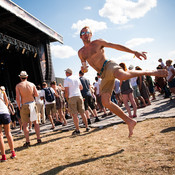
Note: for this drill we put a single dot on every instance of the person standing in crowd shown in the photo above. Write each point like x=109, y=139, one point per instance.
x=75, y=100
x=12, y=114
x=88, y=99
x=127, y=94
x=93, y=53
x=17, y=114
x=118, y=94
x=161, y=84
x=5, y=121
x=161, y=62
x=40, y=106
x=150, y=85
x=48, y=95
x=171, y=75
x=60, y=102
x=143, y=87
x=136, y=91
x=25, y=93
x=98, y=96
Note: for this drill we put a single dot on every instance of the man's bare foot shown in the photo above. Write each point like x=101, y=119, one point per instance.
x=160, y=73
x=131, y=126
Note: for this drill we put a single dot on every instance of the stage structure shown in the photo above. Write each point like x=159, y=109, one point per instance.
x=24, y=45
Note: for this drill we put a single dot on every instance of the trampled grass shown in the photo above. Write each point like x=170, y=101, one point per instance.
x=106, y=151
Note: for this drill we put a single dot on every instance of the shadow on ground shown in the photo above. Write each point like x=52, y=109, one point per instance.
x=170, y=129
x=62, y=167
x=163, y=106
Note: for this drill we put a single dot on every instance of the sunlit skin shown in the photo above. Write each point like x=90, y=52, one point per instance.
x=93, y=53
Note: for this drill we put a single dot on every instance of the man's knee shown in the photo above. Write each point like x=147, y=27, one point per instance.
x=106, y=100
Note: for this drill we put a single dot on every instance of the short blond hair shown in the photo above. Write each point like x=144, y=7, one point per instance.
x=85, y=27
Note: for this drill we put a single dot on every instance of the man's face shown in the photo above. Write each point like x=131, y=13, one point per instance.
x=53, y=86
x=67, y=74
x=85, y=34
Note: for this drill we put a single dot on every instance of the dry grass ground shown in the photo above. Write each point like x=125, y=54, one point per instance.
x=106, y=151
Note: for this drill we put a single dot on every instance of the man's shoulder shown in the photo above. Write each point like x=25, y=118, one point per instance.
x=80, y=50
x=30, y=83
x=67, y=79
x=83, y=79
x=97, y=41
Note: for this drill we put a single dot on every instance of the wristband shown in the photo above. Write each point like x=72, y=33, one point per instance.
x=135, y=54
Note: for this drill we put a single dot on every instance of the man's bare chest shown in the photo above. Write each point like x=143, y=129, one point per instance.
x=91, y=53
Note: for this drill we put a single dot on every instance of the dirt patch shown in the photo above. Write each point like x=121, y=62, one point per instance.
x=104, y=151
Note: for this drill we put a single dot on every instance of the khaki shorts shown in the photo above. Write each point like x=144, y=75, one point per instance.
x=25, y=113
x=76, y=105
x=51, y=109
x=108, y=79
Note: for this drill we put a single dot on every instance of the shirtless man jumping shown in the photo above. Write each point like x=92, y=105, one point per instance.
x=93, y=53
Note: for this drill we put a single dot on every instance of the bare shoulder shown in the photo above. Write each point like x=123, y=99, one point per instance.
x=99, y=42
x=30, y=83
x=18, y=85
x=80, y=50
x=80, y=53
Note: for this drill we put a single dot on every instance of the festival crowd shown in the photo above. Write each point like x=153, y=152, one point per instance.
x=55, y=103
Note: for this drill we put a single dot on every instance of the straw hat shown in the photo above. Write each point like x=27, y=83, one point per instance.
x=68, y=70
x=23, y=74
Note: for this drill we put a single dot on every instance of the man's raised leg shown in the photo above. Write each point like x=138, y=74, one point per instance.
x=125, y=75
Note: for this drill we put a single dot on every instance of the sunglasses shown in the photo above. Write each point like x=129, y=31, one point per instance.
x=83, y=33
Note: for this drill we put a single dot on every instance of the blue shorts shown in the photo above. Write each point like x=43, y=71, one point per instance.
x=5, y=119
x=172, y=83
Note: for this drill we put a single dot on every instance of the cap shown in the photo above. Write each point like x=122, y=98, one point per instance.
x=23, y=74
x=68, y=70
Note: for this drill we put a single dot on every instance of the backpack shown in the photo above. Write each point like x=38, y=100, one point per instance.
x=49, y=95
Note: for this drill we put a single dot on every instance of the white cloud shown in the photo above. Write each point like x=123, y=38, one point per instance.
x=138, y=41
x=62, y=51
x=94, y=25
x=123, y=27
x=120, y=12
x=172, y=54
x=149, y=64
x=87, y=8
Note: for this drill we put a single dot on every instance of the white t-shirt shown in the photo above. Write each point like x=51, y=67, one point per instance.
x=170, y=72
x=3, y=107
x=42, y=94
x=99, y=81
x=97, y=86
x=133, y=81
x=38, y=99
x=73, y=84
x=117, y=86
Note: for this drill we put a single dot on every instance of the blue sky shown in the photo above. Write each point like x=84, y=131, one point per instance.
x=142, y=25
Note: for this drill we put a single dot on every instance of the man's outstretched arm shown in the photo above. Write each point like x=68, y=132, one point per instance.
x=119, y=47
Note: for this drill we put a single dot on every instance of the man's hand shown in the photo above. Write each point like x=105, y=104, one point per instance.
x=84, y=69
x=141, y=54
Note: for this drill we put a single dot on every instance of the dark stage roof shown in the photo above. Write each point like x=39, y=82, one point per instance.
x=15, y=21
x=24, y=45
